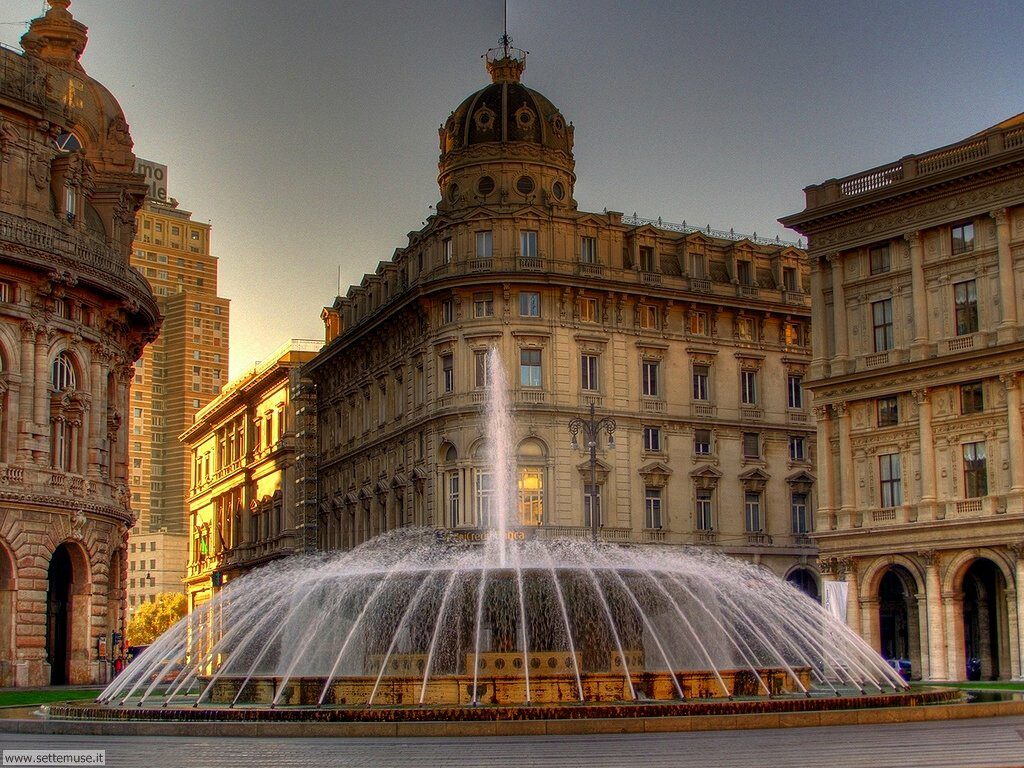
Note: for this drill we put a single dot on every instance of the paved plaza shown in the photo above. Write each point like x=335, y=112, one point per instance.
x=957, y=744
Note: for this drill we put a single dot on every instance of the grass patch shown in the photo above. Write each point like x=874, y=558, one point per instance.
x=987, y=685
x=46, y=696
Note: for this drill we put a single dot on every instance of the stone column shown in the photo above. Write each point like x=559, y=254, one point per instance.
x=927, y=442
x=1007, y=329
x=923, y=672
x=847, y=484
x=842, y=348
x=1014, y=431
x=919, y=346
x=826, y=489
x=953, y=602
x=937, y=651
x=96, y=425
x=26, y=391
x=42, y=380
x=1017, y=637
x=853, y=595
x=869, y=626
x=819, y=338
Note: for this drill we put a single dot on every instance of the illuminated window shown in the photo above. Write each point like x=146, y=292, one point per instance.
x=699, y=323
x=962, y=236
x=965, y=299
x=588, y=310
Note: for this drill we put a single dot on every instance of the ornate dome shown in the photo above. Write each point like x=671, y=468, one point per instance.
x=506, y=122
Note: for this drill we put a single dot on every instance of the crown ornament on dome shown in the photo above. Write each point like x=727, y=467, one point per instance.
x=505, y=63
x=56, y=37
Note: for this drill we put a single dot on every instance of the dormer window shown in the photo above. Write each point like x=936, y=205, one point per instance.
x=646, y=259
x=744, y=272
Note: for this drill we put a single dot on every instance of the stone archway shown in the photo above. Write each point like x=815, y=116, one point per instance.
x=985, y=622
x=8, y=594
x=806, y=581
x=68, y=615
x=899, y=622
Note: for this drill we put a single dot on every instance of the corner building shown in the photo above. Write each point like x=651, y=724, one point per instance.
x=695, y=342
x=74, y=316
x=918, y=352
x=246, y=502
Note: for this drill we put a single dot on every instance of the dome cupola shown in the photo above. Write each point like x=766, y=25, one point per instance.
x=506, y=143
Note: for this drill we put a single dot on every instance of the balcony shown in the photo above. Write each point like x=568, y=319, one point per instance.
x=650, y=278
x=797, y=417
x=705, y=537
x=481, y=265
x=759, y=539
x=960, y=343
x=704, y=409
x=590, y=269
x=877, y=359
x=751, y=414
x=531, y=396
x=700, y=285
x=802, y=540
x=884, y=515
x=530, y=263
x=795, y=297
x=748, y=291
x=652, y=406
x=654, y=535
x=591, y=399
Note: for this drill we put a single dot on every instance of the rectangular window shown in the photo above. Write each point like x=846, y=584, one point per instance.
x=528, y=244
x=588, y=310
x=751, y=445
x=702, y=442
x=591, y=504
x=646, y=259
x=745, y=272
x=446, y=251
x=652, y=439
x=798, y=508
x=962, y=237
x=699, y=323
x=483, y=305
x=890, y=480
x=965, y=299
x=480, y=368
x=529, y=368
x=793, y=334
x=697, y=265
x=648, y=316
x=797, y=448
x=448, y=311
x=972, y=398
x=588, y=250
x=789, y=279
x=745, y=328
x=484, y=245
x=748, y=387
x=484, y=496
x=752, y=512
x=975, y=471
x=888, y=411
x=652, y=508
x=453, y=498
x=881, y=318
x=649, y=374
x=879, y=258
x=589, y=373
x=701, y=379
x=794, y=391
x=529, y=304
x=448, y=373
x=705, y=519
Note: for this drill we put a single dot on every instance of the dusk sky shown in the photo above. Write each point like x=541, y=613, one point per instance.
x=306, y=132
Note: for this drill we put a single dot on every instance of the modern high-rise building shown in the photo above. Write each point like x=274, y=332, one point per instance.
x=694, y=341
x=917, y=278
x=179, y=374
x=74, y=317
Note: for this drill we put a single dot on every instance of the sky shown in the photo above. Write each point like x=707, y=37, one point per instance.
x=305, y=131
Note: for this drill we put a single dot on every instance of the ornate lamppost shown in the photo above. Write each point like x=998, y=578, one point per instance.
x=591, y=429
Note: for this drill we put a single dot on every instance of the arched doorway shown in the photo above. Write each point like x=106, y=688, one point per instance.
x=986, y=646
x=805, y=580
x=114, y=593
x=67, y=616
x=899, y=628
x=7, y=599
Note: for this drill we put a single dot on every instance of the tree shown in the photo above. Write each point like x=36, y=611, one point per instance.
x=151, y=620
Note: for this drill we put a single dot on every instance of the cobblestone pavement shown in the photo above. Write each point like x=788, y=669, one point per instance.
x=957, y=744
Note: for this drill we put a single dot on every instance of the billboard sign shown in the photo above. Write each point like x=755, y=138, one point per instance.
x=156, y=178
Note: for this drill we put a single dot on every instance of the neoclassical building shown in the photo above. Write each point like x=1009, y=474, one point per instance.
x=918, y=352
x=695, y=341
x=73, y=318
x=248, y=451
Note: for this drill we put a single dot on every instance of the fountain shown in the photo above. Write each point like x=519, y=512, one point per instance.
x=419, y=620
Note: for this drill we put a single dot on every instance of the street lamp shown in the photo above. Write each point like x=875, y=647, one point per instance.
x=591, y=429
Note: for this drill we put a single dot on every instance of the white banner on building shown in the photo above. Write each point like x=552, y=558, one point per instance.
x=835, y=599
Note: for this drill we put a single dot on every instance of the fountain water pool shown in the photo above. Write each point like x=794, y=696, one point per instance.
x=418, y=617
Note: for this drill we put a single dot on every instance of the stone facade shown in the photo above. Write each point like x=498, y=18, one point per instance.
x=246, y=449
x=918, y=349
x=694, y=341
x=73, y=318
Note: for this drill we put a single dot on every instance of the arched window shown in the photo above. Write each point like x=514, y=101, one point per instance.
x=532, y=471
x=62, y=374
